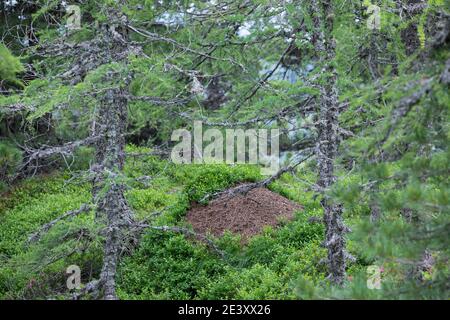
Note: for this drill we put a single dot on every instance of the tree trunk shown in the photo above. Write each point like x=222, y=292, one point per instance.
x=108, y=188
x=328, y=138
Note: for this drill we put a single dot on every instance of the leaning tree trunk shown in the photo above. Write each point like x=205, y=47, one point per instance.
x=328, y=138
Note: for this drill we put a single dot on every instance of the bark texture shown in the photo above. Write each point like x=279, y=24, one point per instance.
x=328, y=138
x=108, y=188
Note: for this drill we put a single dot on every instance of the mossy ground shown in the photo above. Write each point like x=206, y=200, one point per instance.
x=165, y=265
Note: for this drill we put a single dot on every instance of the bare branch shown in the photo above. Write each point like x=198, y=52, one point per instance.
x=65, y=149
x=15, y=108
x=46, y=227
x=188, y=233
x=244, y=188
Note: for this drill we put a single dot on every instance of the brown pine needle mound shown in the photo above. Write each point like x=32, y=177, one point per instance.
x=241, y=214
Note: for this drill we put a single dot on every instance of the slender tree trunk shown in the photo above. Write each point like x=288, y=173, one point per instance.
x=328, y=138
x=108, y=188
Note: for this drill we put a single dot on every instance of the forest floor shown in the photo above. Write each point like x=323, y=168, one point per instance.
x=265, y=235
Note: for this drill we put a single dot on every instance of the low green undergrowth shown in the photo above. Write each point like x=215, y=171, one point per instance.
x=165, y=264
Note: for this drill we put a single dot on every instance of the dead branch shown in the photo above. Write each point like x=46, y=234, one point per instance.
x=189, y=233
x=245, y=188
x=66, y=149
x=15, y=108
x=46, y=227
